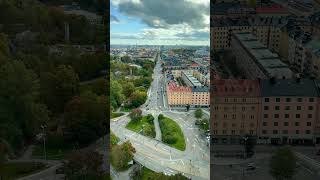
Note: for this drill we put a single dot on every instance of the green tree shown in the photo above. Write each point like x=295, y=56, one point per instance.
x=84, y=164
x=84, y=118
x=58, y=87
x=137, y=98
x=116, y=96
x=128, y=89
x=198, y=113
x=121, y=155
x=283, y=164
x=135, y=114
x=21, y=112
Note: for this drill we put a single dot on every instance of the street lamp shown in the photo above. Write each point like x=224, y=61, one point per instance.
x=44, y=140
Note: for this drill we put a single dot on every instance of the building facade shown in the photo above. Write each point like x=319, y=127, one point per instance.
x=234, y=109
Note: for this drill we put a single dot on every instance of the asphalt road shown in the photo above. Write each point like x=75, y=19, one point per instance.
x=194, y=162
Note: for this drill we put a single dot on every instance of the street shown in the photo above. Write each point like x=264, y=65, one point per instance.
x=194, y=162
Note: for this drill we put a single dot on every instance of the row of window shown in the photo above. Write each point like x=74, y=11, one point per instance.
x=234, y=108
x=288, y=99
x=285, y=123
x=233, y=125
x=277, y=116
x=233, y=132
x=234, y=116
x=285, y=131
x=288, y=108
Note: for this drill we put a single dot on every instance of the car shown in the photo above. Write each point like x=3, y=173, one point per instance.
x=60, y=170
x=251, y=166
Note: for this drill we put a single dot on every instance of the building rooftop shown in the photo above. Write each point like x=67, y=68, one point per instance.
x=192, y=79
x=200, y=89
x=288, y=87
x=265, y=59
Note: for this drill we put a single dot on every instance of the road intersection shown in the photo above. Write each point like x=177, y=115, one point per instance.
x=194, y=162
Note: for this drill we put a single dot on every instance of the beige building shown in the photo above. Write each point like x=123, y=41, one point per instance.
x=266, y=29
x=288, y=111
x=179, y=95
x=234, y=109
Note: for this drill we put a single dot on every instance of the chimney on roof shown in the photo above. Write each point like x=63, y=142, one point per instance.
x=272, y=80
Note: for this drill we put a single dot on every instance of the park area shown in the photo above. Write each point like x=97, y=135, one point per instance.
x=171, y=133
x=143, y=125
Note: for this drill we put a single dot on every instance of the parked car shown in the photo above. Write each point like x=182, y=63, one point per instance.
x=251, y=166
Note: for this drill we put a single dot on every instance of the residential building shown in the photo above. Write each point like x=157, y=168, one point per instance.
x=256, y=60
x=178, y=95
x=288, y=111
x=234, y=109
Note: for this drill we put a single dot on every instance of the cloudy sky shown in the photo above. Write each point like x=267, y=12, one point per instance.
x=160, y=22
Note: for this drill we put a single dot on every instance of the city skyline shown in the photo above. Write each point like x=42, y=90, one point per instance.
x=144, y=23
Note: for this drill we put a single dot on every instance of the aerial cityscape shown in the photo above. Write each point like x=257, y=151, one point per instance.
x=160, y=91
x=264, y=89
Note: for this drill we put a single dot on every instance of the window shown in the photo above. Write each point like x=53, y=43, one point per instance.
x=253, y=108
x=308, y=132
x=277, y=99
x=311, y=99
x=286, y=123
x=298, y=107
x=234, y=116
x=275, y=131
x=277, y=107
x=310, y=108
x=308, y=123
x=286, y=116
x=264, y=131
x=297, y=115
x=285, y=132
x=266, y=99
x=296, y=123
x=287, y=108
x=275, y=123
x=299, y=99
x=233, y=132
x=288, y=99
x=251, y=132
x=224, y=132
x=266, y=107
x=265, y=116
x=234, y=125
x=243, y=108
x=309, y=115
x=265, y=124
x=276, y=116
x=297, y=132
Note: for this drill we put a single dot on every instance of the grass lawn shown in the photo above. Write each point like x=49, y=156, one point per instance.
x=19, y=169
x=115, y=115
x=113, y=139
x=147, y=122
x=125, y=109
x=52, y=153
x=148, y=174
x=171, y=133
